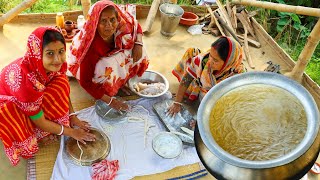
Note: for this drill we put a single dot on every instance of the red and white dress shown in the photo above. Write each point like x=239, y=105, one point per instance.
x=99, y=68
x=26, y=91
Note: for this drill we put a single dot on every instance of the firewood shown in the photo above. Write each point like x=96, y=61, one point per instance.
x=229, y=10
x=251, y=41
x=252, y=13
x=235, y=20
x=246, y=46
x=204, y=17
x=226, y=27
x=224, y=13
x=213, y=21
x=245, y=21
x=215, y=31
x=218, y=25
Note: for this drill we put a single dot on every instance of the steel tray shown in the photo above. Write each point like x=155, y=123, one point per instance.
x=182, y=119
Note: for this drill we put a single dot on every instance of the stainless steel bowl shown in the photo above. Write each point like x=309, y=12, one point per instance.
x=226, y=166
x=149, y=77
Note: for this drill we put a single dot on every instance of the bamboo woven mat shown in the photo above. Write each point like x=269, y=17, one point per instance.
x=45, y=160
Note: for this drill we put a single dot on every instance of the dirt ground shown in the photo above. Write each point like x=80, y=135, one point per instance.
x=164, y=53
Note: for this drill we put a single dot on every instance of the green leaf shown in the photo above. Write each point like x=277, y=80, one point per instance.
x=295, y=18
x=284, y=14
x=297, y=26
x=281, y=1
x=300, y=2
x=280, y=28
x=283, y=21
x=305, y=33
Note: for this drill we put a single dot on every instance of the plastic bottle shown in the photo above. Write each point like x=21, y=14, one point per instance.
x=80, y=21
x=60, y=20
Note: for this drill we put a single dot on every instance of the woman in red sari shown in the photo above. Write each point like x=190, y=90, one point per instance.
x=34, y=97
x=107, y=52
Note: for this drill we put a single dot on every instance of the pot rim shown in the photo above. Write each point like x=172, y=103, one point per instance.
x=266, y=78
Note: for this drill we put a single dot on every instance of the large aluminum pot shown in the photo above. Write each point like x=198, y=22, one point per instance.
x=226, y=166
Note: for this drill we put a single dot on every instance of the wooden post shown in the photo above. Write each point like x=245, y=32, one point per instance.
x=151, y=15
x=15, y=11
x=280, y=7
x=306, y=53
x=85, y=7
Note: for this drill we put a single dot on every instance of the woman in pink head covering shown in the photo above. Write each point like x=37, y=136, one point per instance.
x=34, y=97
x=107, y=52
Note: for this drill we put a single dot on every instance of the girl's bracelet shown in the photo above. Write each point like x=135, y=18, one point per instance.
x=138, y=43
x=62, y=129
x=175, y=102
x=111, y=101
x=73, y=114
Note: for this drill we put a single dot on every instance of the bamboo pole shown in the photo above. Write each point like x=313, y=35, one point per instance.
x=151, y=15
x=15, y=11
x=280, y=7
x=85, y=7
x=305, y=55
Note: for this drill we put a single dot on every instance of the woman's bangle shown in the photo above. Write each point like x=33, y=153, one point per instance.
x=62, y=129
x=111, y=101
x=72, y=114
x=175, y=102
x=138, y=43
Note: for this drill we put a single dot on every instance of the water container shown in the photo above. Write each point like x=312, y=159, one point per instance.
x=170, y=17
x=60, y=20
x=80, y=21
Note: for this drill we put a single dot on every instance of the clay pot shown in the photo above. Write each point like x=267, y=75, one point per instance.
x=189, y=19
x=68, y=26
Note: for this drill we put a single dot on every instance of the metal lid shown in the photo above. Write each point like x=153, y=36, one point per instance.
x=92, y=152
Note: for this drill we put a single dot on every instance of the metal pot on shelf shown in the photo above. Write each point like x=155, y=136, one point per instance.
x=223, y=165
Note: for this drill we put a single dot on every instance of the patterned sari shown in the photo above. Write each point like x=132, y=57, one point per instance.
x=25, y=90
x=196, y=64
x=101, y=69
